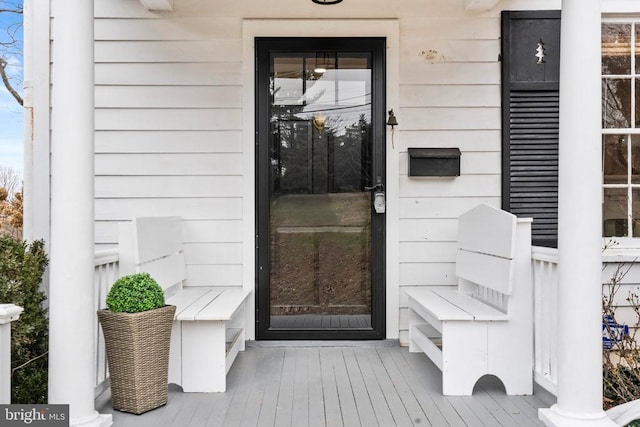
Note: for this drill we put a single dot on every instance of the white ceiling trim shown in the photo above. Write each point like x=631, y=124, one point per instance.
x=166, y=5
x=477, y=6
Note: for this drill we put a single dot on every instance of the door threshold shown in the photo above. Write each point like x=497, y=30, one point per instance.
x=318, y=343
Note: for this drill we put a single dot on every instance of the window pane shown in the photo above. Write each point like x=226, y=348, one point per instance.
x=637, y=112
x=614, y=212
x=321, y=81
x=355, y=81
x=616, y=48
x=287, y=81
x=636, y=211
x=292, y=153
x=637, y=48
x=614, y=154
x=635, y=158
x=616, y=103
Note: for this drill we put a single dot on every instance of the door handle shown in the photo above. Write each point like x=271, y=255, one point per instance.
x=378, y=186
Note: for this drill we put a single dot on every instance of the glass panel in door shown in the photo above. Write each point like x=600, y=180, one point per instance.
x=320, y=148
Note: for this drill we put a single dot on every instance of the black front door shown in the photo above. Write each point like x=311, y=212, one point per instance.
x=320, y=188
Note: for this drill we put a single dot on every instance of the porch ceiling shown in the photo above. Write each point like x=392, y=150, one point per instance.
x=473, y=6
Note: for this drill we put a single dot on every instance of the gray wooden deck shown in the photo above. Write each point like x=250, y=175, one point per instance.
x=336, y=384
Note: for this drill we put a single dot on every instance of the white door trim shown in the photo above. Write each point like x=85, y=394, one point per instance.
x=388, y=28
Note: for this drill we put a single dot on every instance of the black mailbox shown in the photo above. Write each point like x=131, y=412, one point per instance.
x=434, y=162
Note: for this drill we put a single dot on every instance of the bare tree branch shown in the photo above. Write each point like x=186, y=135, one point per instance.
x=7, y=83
x=11, y=45
x=9, y=180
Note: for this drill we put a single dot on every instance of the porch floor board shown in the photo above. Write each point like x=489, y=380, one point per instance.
x=341, y=384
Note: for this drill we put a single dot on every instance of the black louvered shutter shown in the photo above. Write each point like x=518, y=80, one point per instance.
x=530, y=118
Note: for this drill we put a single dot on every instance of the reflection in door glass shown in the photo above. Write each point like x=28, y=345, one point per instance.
x=320, y=212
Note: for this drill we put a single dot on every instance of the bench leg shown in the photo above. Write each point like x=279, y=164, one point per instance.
x=175, y=354
x=203, y=356
x=511, y=357
x=464, y=356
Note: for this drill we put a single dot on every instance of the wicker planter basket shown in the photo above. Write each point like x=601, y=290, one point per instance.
x=137, y=347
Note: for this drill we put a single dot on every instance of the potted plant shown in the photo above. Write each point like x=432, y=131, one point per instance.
x=137, y=333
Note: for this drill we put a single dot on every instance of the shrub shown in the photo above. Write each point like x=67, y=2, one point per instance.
x=621, y=358
x=21, y=270
x=135, y=293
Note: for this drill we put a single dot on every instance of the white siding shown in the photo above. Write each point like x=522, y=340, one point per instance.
x=169, y=129
x=169, y=124
x=115, y=142
x=630, y=284
x=449, y=97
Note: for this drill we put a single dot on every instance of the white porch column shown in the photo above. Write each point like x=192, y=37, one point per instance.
x=72, y=316
x=27, y=87
x=580, y=222
x=36, y=97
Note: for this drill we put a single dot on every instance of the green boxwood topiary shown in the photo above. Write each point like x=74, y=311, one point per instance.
x=135, y=293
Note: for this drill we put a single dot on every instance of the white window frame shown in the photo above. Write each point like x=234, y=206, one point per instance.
x=630, y=245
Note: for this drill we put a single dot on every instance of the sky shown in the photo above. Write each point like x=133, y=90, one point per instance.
x=11, y=132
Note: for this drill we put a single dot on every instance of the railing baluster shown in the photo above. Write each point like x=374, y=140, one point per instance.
x=8, y=313
x=545, y=282
x=106, y=272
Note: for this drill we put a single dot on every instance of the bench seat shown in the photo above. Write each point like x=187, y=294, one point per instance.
x=484, y=326
x=449, y=304
x=207, y=335
x=209, y=324
x=207, y=303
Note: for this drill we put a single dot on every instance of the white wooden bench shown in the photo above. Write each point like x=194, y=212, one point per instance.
x=209, y=326
x=485, y=326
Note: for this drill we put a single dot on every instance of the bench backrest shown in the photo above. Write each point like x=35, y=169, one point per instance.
x=154, y=245
x=487, y=250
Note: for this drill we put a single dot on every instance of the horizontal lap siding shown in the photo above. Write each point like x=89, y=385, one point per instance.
x=172, y=186
x=165, y=96
x=170, y=164
x=169, y=123
x=119, y=141
x=179, y=74
x=449, y=97
x=194, y=230
x=169, y=132
x=201, y=208
x=629, y=284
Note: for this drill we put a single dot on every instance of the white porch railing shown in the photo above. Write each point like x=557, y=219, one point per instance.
x=8, y=313
x=106, y=272
x=545, y=288
x=545, y=282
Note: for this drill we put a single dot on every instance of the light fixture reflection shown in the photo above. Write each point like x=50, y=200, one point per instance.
x=319, y=121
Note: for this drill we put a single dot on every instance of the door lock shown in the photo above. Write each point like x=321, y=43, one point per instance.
x=379, y=203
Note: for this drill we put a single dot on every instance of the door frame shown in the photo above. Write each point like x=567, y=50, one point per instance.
x=388, y=28
x=264, y=47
